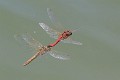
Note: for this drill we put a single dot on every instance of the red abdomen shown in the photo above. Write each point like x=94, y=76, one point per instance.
x=55, y=43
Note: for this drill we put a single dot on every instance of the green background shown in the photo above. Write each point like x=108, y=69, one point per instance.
x=97, y=59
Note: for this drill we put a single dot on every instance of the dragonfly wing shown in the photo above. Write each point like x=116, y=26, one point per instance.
x=59, y=55
x=69, y=40
x=53, y=33
x=54, y=20
x=28, y=40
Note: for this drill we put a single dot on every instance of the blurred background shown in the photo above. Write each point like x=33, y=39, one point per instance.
x=97, y=59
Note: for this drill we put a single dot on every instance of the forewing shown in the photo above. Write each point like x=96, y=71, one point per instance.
x=69, y=40
x=59, y=55
x=53, y=33
x=28, y=40
x=53, y=19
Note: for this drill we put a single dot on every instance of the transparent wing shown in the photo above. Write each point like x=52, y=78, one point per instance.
x=54, y=20
x=59, y=55
x=28, y=40
x=59, y=26
x=53, y=33
x=69, y=40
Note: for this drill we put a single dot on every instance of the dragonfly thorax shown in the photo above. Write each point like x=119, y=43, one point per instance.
x=45, y=49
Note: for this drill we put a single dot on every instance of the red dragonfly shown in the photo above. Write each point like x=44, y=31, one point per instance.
x=64, y=36
x=40, y=49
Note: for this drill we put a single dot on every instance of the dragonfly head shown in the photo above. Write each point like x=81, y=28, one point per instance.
x=66, y=34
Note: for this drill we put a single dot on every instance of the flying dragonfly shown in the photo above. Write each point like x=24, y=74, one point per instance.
x=60, y=36
x=40, y=49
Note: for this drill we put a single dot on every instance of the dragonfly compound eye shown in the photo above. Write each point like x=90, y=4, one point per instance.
x=70, y=33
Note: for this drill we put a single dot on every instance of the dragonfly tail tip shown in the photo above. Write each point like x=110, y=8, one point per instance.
x=24, y=64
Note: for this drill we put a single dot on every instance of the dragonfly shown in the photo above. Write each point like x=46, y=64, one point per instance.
x=28, y=40
x=59, y=36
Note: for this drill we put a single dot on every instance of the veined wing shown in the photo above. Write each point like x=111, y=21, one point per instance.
x=28, y=40
x=59, y=55
x=54, y=20
x=53, y=33
x=69, y=40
